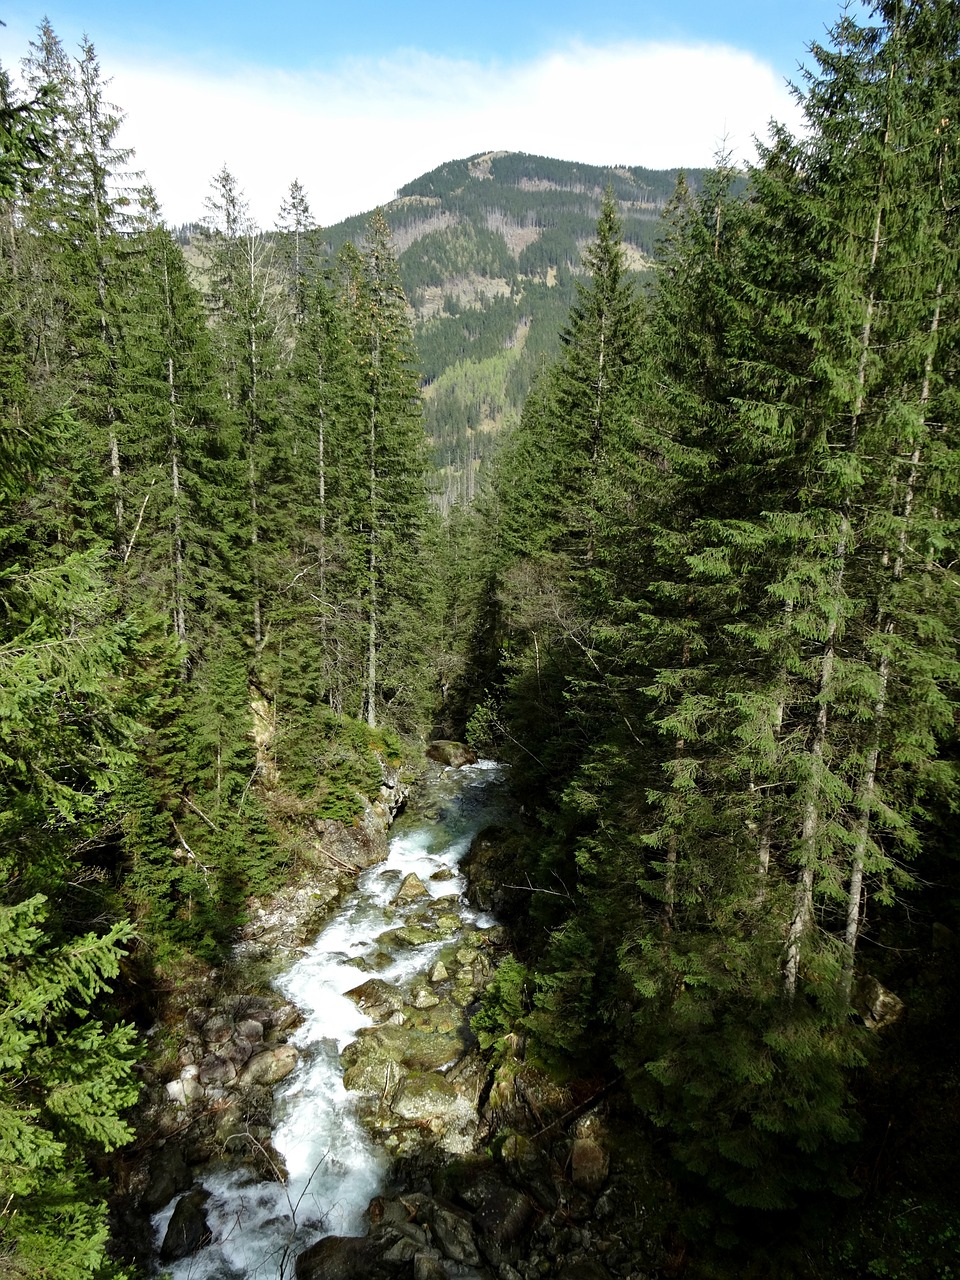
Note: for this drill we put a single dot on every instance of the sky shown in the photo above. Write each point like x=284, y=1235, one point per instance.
x=358, y=97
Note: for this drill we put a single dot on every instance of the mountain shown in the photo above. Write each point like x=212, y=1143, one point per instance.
x=490, y=250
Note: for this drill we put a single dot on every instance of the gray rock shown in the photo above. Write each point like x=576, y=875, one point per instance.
x=377, y=998
x=372, y=1076
x=411, y=888
x=350, y=1258
x=217, y=1069
x=427, y=1267
x=176, y=1092
x=439, y=972
x=169, y=1176
x=218, y=1029
x=403, y=1251
x=188, y=1088
x=236, y=1051
x=877, y=1006
x=944, y=939
x=531, y=1168
x=586, y=1269
x=454, y=1235
x=269, y=1067
x=505, y=1215
x=250, y=1030
x=188, y=1230
x=431, y=1100
x=410, y=935
x=417, y=1049
x=452, y=754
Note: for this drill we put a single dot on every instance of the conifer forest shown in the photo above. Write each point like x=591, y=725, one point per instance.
x=704, y=604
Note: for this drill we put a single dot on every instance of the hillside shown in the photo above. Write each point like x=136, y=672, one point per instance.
x=489, y=251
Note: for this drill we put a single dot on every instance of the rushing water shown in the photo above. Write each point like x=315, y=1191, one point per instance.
x=334, y=1167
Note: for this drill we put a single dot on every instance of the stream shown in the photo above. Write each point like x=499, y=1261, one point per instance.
x=334, y=1167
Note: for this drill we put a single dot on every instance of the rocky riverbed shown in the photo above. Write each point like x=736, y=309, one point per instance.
x=342, y=1121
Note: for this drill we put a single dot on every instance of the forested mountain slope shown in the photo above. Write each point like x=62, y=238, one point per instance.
x=489, y=250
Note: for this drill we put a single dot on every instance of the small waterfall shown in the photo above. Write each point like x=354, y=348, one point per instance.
x=334, y=1167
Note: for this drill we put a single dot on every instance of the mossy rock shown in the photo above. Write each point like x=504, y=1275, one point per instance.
x=428, y=1097
x=409, y=935
x=412, y=1047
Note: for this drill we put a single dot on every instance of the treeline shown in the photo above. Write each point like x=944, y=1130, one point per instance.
x=716, y=634
x=217, y=604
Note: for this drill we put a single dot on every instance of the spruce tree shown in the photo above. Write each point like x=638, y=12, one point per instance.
x=395, y=592
x=67, y=730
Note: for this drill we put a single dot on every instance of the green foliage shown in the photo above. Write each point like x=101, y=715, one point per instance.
x=506, y=1001
x=25, y=137
x=334, y=762
x=725, y=669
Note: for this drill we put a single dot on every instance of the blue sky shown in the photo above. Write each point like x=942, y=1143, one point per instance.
x=355, y=99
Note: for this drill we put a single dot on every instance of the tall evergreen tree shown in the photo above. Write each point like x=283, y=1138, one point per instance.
x=66, y=731
x=776, y=670
x=395, y=591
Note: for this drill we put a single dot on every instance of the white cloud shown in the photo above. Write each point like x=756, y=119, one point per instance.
x=353, y=137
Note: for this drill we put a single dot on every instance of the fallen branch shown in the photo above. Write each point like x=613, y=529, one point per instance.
x=126, y=554
x=344, y=866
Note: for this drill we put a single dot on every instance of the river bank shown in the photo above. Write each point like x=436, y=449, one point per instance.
x=329, y=1114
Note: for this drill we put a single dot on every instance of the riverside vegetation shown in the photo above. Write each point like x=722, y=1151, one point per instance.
x=705, y=605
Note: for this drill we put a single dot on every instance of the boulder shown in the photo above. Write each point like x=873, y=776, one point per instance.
x=343, y=1258
x=282, y=1019
x=376, y=998
x=586, y=1269
x=503, y=1214
x=452, y=754
x=453, y=1234
x=411, y=888
x=530, y=1167
x=400, y=1046
x=410, y=935
x=249, y=1030
x=944, y=939
x=372, y=1075
x=430, y=1100
x=269, y=1067
x=448, y=923
x=218, y=1029
x=877, y=1006
x=236, y=1051
x=439, y=972
x=217, y=1069
x=188, y=1230
x=169, y=1176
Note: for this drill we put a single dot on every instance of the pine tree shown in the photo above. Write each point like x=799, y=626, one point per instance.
x=250, y=329
x=559, y=481
x=395, y=592
x=74, y=223
x=773, y=654
x=66, y=733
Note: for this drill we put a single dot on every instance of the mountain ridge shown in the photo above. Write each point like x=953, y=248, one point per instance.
x=490, y=248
